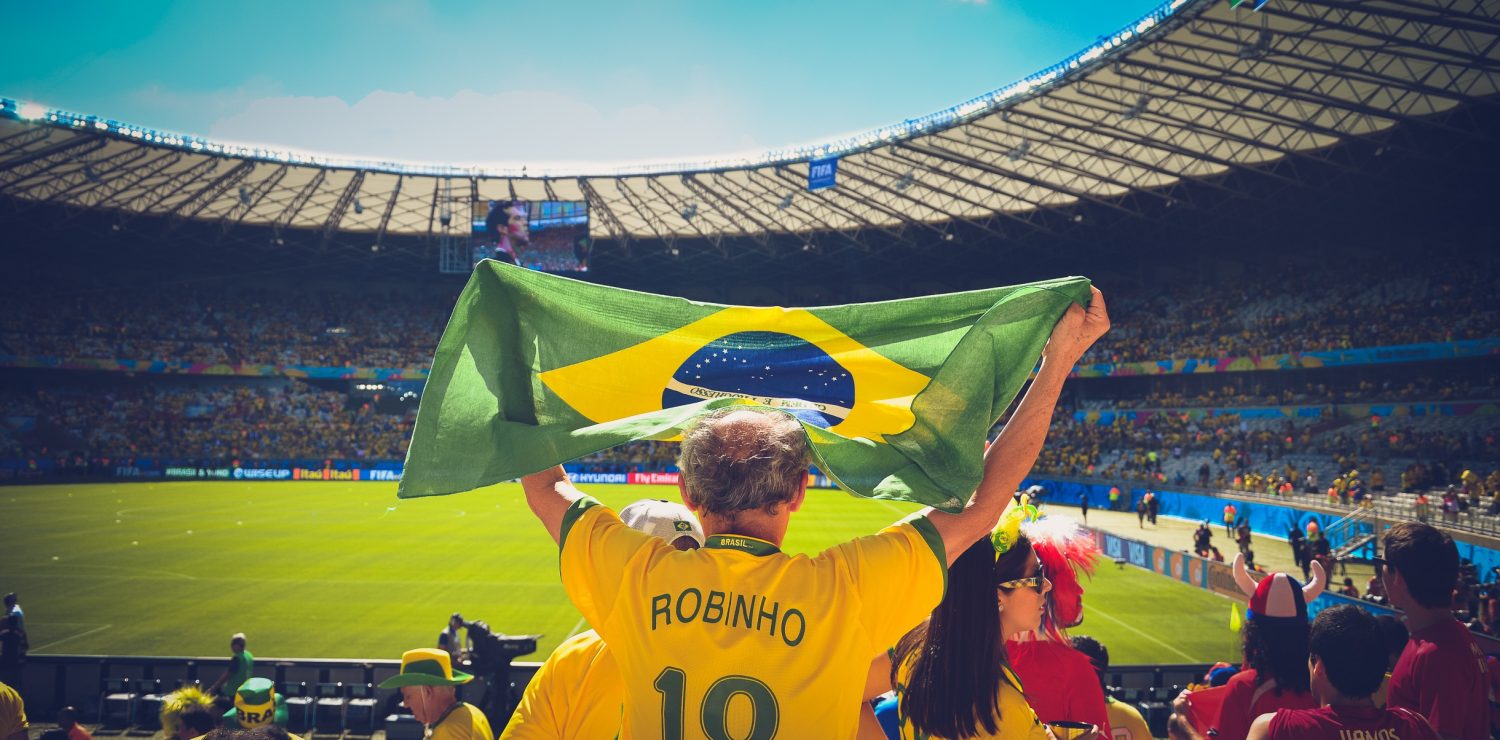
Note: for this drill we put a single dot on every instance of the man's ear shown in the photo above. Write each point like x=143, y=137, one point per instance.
x=796, y=502
x=686, y=499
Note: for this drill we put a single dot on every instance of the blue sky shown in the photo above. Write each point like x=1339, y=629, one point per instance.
x=504, y=83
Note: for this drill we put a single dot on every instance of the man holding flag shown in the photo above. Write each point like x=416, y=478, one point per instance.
x=890, y=400
x=790, y=636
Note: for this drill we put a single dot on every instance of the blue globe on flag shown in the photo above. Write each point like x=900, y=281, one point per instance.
x=770, y=368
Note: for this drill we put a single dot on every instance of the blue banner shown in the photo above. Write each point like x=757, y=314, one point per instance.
x=822, y=173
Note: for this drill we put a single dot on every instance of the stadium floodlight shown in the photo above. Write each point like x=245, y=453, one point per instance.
x=1078, y=218
x=31, y=111
x=906, y=180
x=1020, y=152
x=358, y=207
x=244, y=195
x=690, y=212
x=785, y=203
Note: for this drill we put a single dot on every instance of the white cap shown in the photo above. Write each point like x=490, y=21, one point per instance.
x=662, y=519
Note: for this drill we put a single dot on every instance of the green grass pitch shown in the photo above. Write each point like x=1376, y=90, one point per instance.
x=330, y=570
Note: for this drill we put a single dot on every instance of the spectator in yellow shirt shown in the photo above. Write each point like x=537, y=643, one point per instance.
x=578, y=692
x=426, y=681
x=13, y=725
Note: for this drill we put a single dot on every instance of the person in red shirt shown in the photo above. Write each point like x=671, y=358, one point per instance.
x=1061, y=682
x=1275, y=644
x=1441, y=674
x=67, y=721
x=1344, y=674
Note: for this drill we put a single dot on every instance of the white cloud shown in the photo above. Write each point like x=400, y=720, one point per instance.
x=169, y=106
x=511, y=128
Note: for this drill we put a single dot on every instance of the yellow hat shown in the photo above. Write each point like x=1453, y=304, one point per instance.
x=426, y=667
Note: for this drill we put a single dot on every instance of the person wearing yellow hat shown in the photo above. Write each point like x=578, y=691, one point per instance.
x=426, y=682
x=256, y=704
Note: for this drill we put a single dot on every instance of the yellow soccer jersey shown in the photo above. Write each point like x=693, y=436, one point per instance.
x=577, y=693
x=1125, y=721
x=462, y=721
x=12, y=712
x=737, y=639
x=1017, y=719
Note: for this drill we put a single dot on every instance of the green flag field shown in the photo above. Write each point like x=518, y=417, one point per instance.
x=336, y=570
x=895, y=397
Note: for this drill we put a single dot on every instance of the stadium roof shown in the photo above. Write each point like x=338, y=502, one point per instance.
x=1195, y=90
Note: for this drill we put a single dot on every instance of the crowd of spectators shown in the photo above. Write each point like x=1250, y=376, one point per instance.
x=1229, y=452
x=647, y=455
x=1295, y=309
x=282, y=321
x=289, y=325
x=1138, y=448
x=291, y=420
x=1254, y=393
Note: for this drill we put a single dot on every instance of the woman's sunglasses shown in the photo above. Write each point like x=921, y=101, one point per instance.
x=1034, y=582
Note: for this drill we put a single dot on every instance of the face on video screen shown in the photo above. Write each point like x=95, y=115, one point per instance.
x=548, y=235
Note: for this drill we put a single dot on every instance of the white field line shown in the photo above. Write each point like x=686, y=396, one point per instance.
x=577, y=627
x=37, y=648
x=1091, y=609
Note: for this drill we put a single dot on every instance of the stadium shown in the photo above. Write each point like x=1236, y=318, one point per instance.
x=213, y=355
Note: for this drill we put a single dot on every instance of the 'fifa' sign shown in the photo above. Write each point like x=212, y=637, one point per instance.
x=822, y=173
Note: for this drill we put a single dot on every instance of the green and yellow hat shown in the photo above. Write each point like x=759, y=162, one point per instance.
x=426, y=667
x=256, y=704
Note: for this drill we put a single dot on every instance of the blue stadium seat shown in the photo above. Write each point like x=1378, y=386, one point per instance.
x=359, y=715
x=117, y=704
x=328, y=710
x=148, y=707
x=1155, y=705
x=298, y=706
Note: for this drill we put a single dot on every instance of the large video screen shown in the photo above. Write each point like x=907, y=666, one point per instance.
x=546, y=235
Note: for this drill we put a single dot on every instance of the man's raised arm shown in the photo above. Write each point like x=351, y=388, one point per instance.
x=549, y=494
x=1010, y=458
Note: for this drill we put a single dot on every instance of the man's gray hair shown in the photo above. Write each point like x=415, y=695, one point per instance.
x=742, y=459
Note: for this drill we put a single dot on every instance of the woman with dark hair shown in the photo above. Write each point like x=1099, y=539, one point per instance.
x=1275, y=644
x=952, y=676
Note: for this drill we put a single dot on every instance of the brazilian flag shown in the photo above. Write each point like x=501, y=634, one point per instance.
x=896, y=397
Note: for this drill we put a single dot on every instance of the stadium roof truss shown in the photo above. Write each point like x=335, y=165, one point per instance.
x=1195, y=90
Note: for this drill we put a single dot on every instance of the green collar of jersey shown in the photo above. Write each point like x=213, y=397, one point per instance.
x=756, y=547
